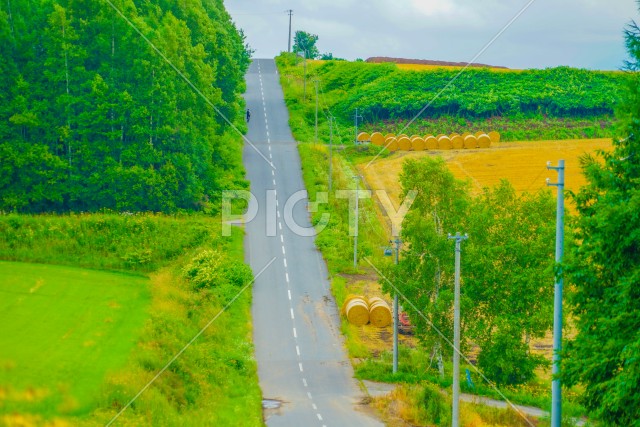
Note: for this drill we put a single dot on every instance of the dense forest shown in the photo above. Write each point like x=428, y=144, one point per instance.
x=94, y=116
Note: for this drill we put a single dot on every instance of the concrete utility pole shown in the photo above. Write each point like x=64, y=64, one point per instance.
x=290, y=12
x=316, y=83
x=330, y=151
x=395, y=315
x=356, y=119
x=304, y=83
x=455, y=415
x=355, y=237
x=556, y=388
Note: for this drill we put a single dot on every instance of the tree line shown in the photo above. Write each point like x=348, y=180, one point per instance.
x=93, y=117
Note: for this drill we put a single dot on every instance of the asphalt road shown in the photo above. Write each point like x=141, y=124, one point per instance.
x=302, y=363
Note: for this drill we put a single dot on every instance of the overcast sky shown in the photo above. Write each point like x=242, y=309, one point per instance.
x=578, y=33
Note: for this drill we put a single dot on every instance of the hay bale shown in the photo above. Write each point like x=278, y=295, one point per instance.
x=357, y=311
x=391, y=144
x=444, y=143
x=414, y=136
x=343, y=309
x=484, y=141
x=477, y=134
x=402, y=135
x=466, y=134
x=494, y=136
x=364, y=136
x=440, y=135
x=427, y=136
x=471, y=142
x=404, y=143
x=431, y=143
x=453, y=135
x=389, y=135
x=377, y=139
x=379, y=312
x=418, y=144
x=457, y=142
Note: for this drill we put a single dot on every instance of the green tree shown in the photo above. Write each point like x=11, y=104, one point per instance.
x=306, y=43
x=115, y=126
x=504, y=302
x=604, y=267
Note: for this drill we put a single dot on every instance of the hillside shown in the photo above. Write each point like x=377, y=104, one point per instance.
x=549, y=104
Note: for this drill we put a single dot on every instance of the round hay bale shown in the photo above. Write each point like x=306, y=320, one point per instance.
x=444, y=143
x=349, y=298
x=484, y=141
x=377, y=138
x=431, y=143
x=457, y=142
x=357, y=311
x=418, y=144
x=391, y=144
x=477, y=134
x=389, y=135
x=404, y=143
x=364, y=136
x=471, y=142
x=494, y=136
x=379, y=312
x=466, y=134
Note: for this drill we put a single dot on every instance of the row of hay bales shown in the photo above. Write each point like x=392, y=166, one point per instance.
x=430, y=142
x=360, y=311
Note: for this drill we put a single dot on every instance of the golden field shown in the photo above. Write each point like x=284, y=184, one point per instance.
x=524, y=164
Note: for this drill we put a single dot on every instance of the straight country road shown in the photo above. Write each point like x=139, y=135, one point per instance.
x=302, y=363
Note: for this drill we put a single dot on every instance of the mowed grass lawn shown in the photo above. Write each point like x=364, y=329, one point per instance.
x=62, y=329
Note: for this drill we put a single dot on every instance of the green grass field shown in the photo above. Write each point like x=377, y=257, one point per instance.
x=62, y=330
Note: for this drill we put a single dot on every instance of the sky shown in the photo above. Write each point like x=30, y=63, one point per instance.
x=512, y=33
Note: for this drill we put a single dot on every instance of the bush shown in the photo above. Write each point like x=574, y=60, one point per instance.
x=436, y=406
x=507, y=361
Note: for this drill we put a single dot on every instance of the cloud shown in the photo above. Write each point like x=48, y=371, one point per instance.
x=581, y=33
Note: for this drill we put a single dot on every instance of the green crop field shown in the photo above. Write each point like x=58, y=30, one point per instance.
x=62, y=329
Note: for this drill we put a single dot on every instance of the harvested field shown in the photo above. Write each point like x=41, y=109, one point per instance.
x=522, y=163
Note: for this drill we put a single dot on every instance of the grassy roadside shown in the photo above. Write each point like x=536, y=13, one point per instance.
x=417, y=373
x=193, y=274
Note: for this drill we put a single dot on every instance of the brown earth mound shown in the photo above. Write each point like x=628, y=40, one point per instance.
x=380, y=59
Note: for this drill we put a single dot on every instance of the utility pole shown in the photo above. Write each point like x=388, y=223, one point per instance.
x=355, y=237
x=290, y=12
x=316, y=83
x=395, y=315
x=356, y=119
x=304, y=83
x=330, y=151
x=556, y=387
x=455, y=415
